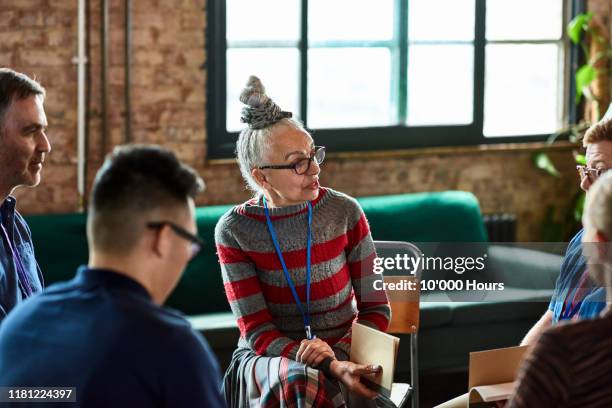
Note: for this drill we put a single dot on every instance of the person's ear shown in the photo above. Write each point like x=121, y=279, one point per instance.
x=260, y=178
x=162, y=241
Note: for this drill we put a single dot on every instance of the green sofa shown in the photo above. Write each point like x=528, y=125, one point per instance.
x=448, y=329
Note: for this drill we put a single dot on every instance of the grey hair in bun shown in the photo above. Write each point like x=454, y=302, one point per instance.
x=260, y=111
x=263, y=117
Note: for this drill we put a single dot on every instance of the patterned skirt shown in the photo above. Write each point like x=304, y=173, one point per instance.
x=258, y=381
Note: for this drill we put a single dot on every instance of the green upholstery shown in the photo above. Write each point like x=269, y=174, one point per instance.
x=448, y=216
x=200, y=290
x=60, y=244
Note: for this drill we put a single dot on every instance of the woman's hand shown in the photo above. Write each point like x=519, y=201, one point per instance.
x=350, y=375
x=313, y=352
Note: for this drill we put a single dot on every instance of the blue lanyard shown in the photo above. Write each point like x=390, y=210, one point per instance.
x=569, y=308
x=305, y=314
x=569, y=311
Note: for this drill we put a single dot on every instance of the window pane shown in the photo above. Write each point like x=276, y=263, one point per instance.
x=249, y=20
x=440, y=84
x=521, y=89
x=524, y=19
x=349, y=87
x=278, y=69
x=350, y=20
x=441, y=20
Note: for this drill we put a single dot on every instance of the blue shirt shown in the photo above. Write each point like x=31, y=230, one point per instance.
x=17, y=253
x=101, y=333
x=574, y=265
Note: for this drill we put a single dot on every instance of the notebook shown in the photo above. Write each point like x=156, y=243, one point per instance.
x=371, y=346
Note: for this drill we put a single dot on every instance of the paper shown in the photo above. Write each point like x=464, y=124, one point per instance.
x=370, y=346
x=496, y=392
x=492, y=373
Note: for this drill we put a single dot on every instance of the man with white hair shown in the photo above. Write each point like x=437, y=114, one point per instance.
x=570, y=365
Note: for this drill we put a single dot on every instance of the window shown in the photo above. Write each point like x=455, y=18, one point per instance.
x=391, y=74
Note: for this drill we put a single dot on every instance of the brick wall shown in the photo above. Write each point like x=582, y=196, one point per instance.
x=38, y=37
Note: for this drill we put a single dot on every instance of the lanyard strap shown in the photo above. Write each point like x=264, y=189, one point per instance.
x=21, y=272
x=571, y=308
x=305, y=314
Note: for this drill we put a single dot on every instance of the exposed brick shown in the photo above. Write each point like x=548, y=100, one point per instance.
x=6, y=59
x=70, y=5
x=192, y=20
x=7, y=19
x=59, y=37
x=21, y=4
x=148, y=57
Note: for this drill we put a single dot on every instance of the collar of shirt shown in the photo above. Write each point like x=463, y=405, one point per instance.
x=94, y=277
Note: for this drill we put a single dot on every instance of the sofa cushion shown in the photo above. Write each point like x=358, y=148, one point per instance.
x=60, y=244
x=447, y=216
x=200, y=290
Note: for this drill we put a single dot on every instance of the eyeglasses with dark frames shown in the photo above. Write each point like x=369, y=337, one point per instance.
x=196, y=242
x=590, y=173
x=303, y=165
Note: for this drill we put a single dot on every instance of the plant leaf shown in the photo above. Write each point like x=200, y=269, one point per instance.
x=543, y=162
x=579, y=207
x=576, y=26
x=580, y=159
x=584, y=76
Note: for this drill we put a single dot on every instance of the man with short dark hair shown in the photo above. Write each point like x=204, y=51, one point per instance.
x=23, y=147
x=105, y=332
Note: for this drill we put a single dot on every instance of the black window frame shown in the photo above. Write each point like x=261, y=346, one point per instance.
x=221, y=143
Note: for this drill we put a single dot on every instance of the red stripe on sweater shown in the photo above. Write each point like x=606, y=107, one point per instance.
x=228, y=255
x=236, y=290
x=358, y=232
x=252, y=321
x=322, y=252
x=265, y=339
x=318, y=290
x=364, y=267
x=378, y=319
x=285, y=352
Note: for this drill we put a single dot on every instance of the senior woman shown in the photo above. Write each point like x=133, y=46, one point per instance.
x=296, y=263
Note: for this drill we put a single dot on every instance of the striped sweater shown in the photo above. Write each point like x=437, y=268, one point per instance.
x=342, y=254
x=569, y=366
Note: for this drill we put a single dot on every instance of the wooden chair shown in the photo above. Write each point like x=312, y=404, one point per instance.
x=405, y=316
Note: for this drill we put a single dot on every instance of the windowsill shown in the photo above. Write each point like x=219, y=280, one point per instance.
x=437, y=151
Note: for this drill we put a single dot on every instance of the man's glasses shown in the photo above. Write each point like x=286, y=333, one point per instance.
x=590, y=173
x=196, y=242
x=303, y=165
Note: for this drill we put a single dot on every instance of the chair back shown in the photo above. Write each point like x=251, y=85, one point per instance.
x=402, y=276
